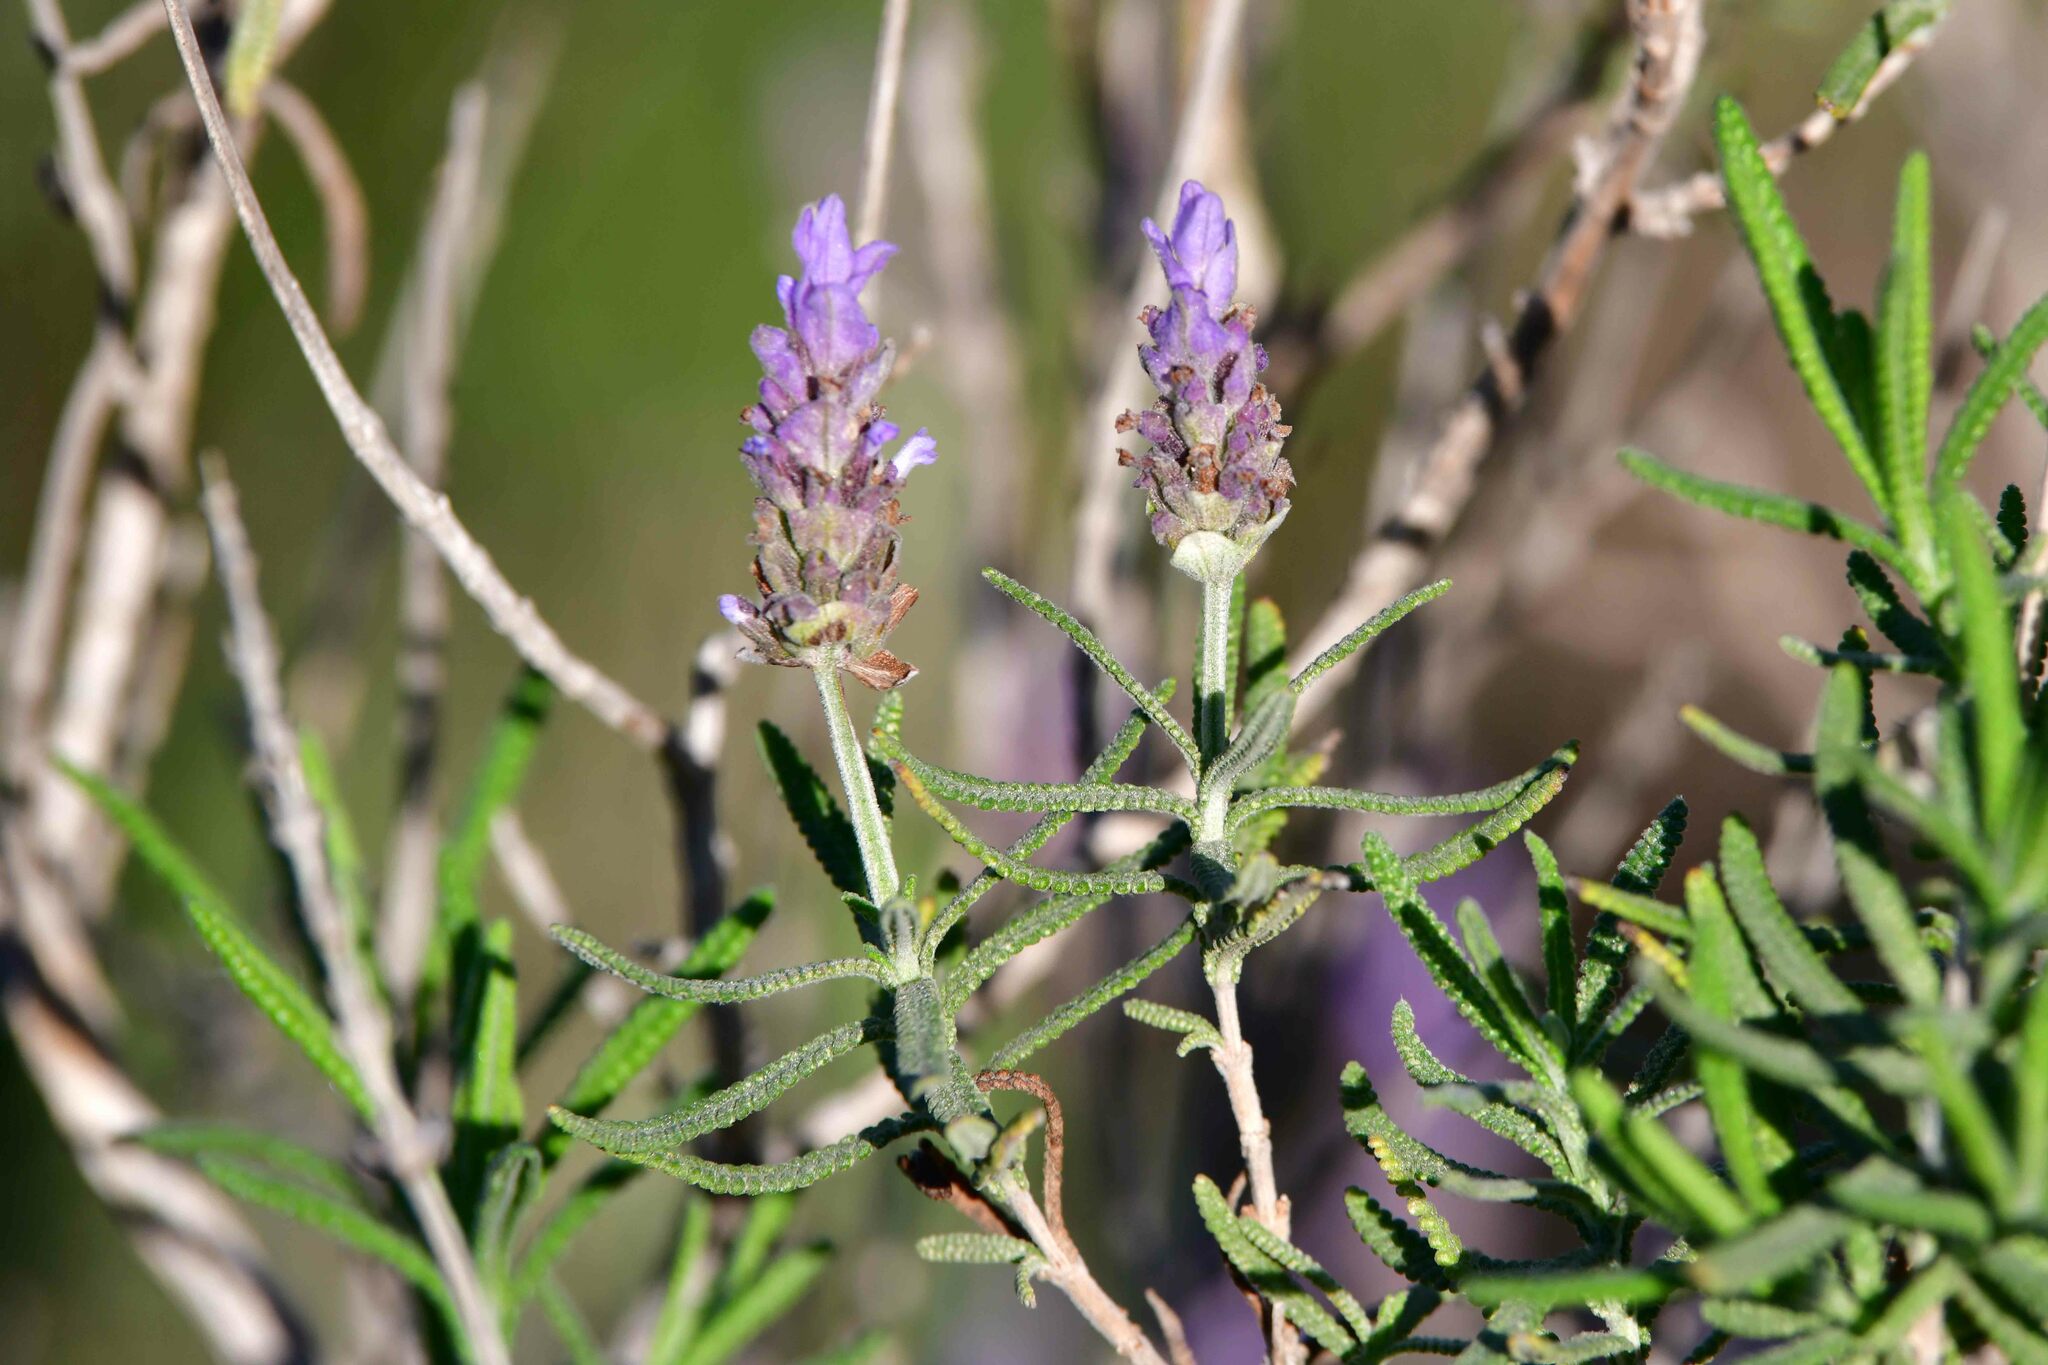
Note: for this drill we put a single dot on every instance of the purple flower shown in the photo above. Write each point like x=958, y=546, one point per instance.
x=1215, y=466
x=825, y=525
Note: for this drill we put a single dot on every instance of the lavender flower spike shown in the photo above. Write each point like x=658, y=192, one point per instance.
x=1215, y=481
x=825, y=525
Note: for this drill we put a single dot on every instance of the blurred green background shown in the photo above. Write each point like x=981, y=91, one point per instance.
x=594, y=453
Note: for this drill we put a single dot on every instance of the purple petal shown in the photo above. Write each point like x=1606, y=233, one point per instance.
x=736, y=609
x=920, y=449
x=822, y=243
x=881, y=433
x=868, y=263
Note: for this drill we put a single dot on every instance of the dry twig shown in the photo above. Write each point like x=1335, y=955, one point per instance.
x=881, y=129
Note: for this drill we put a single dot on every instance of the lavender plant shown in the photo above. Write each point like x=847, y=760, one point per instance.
x=1216, y=484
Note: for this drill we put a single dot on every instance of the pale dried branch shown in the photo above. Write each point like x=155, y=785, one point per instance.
x=406, y=916
x=527, y=875
x=124, y=36
x=1668, y=36
x=362, y=1026
x=1177, y=1348
x=1669, y=210
x=87, y=190
x=880, y=139
x=1233, y=1060
x=344, y=213
x=512, y=615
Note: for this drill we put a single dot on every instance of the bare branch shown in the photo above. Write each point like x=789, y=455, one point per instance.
x=345, y=214
x=406, y=916
x=81, y=167
x=1668, y=211
x=881, y=130
x=363, y=1028
x=124, y=36
x=1668, y=37
x=430, y=513
x=527, y=875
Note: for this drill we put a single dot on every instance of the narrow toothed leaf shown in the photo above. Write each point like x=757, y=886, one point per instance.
x=1798, y=303
x=1795, y=968
x=1770, y=1251
x=760, y=1305
x=1986, y=343
x=1973, y=1130
x=813, y=809
x=344, y=851
x=1134, y=883
x=1265, y=652
x=1119, y=982
x=1265, y=1274
x=1871, y=661
x=1989, y=394
x=1388, y=803
x=1192, y=1029
x=1887, y=1193
x=1751, y=754
x=1468, y=846
x=1772, y=509
x=1263, y=735
x=985, y=793
x=1299, y=1262
x=974, y=1248
x=1848, y=77
x=734, y=1178
x=487, y=1108
x=562, y=1225
x=1724, y=985
x=628, y=1049
x=1989, y=665
x=1553, y=907
x=1399, y=1247
x=712, y=990
x=1448, y=965
x=722, y=1108
x=1887, y=611
x=342, y=1220
x=1148, y=701
x=1880, y=902
x=1755, y=1318
x=1642, y=868
x=570, y=1328
x=510, y=1185
x=1365, y=634
x=273, y=990
x=193, y=1141
x=1905, y=370
x=1488, y=1106
x=1506, y=987
x=1647, y=911
x=1643, y=1146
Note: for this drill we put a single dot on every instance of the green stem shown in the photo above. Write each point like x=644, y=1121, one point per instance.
x=1214, y=668
x=872, y=831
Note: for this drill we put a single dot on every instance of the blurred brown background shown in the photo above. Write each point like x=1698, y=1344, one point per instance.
x=594, y=452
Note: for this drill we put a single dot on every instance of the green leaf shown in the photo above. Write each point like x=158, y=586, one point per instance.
x=1905, y=371
x=1266, y=1275
x=1724, y=985
x=1554, y=911
x=682, y=1302
x=193, y=1141
x=1257, y=803
x=2030, y=1102
x=1841, y=90
x=567, y=1320
x=633, y=1044
x=1573, y=1288
x=1365, y=634
x=759, y=1306
x=344, y=852
x=1448, y=965
x=1600, y=970
x=1507, y=989
x=508, y=753
x=1653, y=1160
x=749, y=1095
x=1492, y=1107
x=510, y=1185
x=813, y=809
x=1879, y=900
x=1885, y=1192
x=1989, y=666
x=343, y=1221
x=1751, y=754
x=974, y=1248
x=1147, y=701
x=713, y=990
x=1192, y=1029
x=1767, y=1253
x=562, y=1225
x=1652, y=914
x=1986, y=343
x=1791, y=961
x=268, y=986
x=1972, y=1129
x=2021, y=1341
x=781, y=1177
x=1772, y=509
x=1401, y=1248
x=1989, y=393
x=1469, y=845
x=987, y=793
x=1888, y=612
x=1798, y=302
x=1119, y=982
x=487, y=1108
x=1299, y=1262
x=1265, y=652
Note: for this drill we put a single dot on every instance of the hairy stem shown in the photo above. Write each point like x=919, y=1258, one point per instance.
x=1233, y=1058
x=1065, y=1268
x=1213, y=669
x=876, y=855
